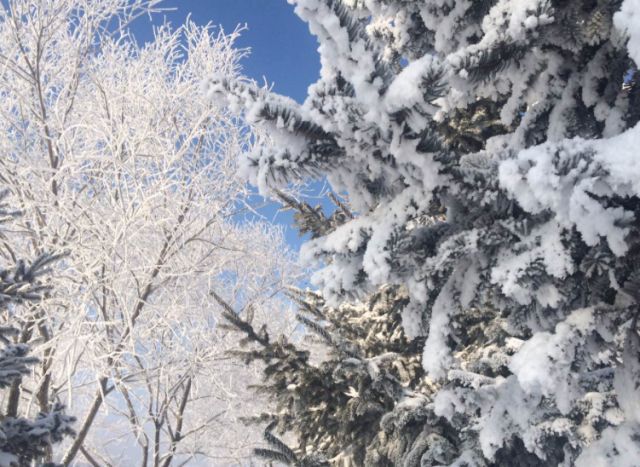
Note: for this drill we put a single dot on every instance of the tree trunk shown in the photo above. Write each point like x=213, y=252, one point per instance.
x=88, y=421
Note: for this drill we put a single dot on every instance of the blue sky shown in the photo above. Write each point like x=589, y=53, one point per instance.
x=282, y=51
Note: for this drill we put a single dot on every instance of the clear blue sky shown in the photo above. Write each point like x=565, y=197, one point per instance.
x=282, y=51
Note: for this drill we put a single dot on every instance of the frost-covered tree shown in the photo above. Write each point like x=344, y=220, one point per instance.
x=333, y=400
x=488, y=149
x=112, y=161
x=334, y=390
x=23, y=441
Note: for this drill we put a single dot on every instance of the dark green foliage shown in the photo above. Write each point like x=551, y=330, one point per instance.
x=31, y=440
x=334, y=407
x=466, y=131
x=484, y=65
x=24, y=442
x=312, y=219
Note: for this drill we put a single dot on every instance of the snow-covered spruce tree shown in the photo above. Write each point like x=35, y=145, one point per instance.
x=333, y=405
x=335, y=399
x=23, y=441
x=489, y=149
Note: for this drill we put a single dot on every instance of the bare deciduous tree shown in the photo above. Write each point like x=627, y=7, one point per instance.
x=114, y=161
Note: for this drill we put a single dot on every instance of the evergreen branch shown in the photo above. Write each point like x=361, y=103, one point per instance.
x=300, y=297
x=341, y=205
x=6, y=211
x=317, y=329
x=291, y=120
x=19, y=283
x=241, y=325
x=356, y=31
x=434, y=84
x=307, y=219
x=272, y=455
x=486, y=63
x=278, y=444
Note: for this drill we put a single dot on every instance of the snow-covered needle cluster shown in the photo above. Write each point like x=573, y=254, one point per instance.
x=489, y=151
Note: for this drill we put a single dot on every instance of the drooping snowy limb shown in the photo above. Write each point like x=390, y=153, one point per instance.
x=308, y=141
x=111, y=159
x=487, y=148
